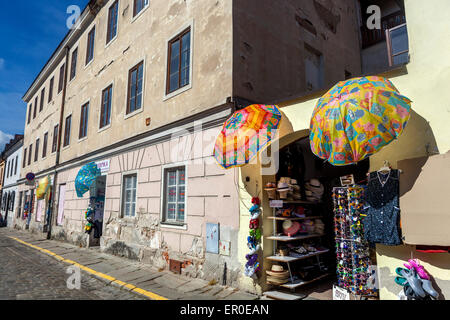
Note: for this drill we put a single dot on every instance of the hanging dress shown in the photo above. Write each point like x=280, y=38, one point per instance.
x=381, y=225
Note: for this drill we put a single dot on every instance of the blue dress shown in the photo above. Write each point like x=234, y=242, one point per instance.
x=381, y=225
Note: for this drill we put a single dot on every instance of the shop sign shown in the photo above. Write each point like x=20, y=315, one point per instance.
x=340, y=294
x=276, y=203
x=30, y=179
x=103, y=165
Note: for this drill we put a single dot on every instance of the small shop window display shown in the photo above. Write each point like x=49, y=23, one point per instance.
x=254, y=239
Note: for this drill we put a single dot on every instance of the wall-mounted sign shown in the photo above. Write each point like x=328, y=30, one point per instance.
x=348, y=180
x=103, y=165
x=30, y=176
x=224, y=247
x=276, y=203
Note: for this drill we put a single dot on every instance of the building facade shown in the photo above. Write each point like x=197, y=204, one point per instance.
x=143, y=88
x=13, y=157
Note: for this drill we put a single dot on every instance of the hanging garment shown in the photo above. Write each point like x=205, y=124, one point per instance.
x=382, y=208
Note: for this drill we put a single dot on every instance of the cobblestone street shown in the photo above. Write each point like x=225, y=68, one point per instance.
x=28, y=274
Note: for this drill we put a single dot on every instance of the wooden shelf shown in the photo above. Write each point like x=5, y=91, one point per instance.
x=297, y=202
x=288, y=259
x=294, y=218
x=300, y=283
x=286, y=238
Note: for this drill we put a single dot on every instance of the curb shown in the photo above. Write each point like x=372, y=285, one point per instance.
x=101, y=276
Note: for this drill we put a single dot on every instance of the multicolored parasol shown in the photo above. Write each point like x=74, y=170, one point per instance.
x=356, y=118
x=245, y=133
x=86, y=176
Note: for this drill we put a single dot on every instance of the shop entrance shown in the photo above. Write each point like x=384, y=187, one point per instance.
x=97, y=202
x=303, y=261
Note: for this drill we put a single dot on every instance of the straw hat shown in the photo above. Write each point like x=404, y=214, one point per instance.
x=273, y=280
x=290, y=228
x=278, y=272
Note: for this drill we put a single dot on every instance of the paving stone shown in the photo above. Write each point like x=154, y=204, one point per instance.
x=241, y=296
x=101, y=267
x=149, y=276
x=122, y=271
x=170, y=281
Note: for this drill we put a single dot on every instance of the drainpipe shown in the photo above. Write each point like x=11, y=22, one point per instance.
x=51, y=218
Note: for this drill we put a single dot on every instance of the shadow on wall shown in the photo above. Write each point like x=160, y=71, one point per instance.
x=417, y=140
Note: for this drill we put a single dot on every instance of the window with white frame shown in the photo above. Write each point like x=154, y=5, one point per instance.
x=129, y=195
x=174, y=195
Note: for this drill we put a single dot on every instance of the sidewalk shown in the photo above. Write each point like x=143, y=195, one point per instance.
x=126, y=274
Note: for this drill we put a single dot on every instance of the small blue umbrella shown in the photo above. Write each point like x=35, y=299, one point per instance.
x=86, y=176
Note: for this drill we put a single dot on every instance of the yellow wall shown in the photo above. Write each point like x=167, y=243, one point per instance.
x=426, y=83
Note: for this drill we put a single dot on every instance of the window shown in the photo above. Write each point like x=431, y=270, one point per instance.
x=90, y=46
x=55, y=138
x=50, y=89
x=61, y=77
x=84, y=120
x=35, y=107
x=36, y=151
x=398, y=45
x=179, y=61
x=30, y=151
x=44, y=145
x=138, y=6
x=15, y=166
x=67, y=131
x=174, y=195
x=24, y=161
x=129, y=195
x=105, y=111
x=112, y=21
x=19, y=211
x=41, y=106
x=30, y=107
x=135, y=78
x=73, y=67
x=314, y=68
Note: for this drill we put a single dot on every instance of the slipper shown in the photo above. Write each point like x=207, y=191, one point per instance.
x=400, y=281
x=428, y=287
x=414, y=282
x=399, y=271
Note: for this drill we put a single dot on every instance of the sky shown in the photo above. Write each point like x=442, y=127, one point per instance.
x=30, y=31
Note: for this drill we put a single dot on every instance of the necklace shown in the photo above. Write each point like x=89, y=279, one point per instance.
x=383, y=183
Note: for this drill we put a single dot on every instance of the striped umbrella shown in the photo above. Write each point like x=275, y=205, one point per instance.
x=245, y=133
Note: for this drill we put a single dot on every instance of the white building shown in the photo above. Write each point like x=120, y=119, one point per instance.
x=13, y=164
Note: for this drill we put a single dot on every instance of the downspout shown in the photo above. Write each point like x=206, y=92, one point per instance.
x=51, y=218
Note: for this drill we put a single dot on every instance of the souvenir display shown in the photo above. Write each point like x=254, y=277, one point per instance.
x=89, y=215
x=352, y=251
x=252, y=265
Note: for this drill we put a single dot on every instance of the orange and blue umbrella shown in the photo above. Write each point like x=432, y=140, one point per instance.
x=356, y=119
x=245, y=133
x=86, y=177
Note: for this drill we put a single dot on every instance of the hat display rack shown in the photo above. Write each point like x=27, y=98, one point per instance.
x=352, y=250
x=253, y=240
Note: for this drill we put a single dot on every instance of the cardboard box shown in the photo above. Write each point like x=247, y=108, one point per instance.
x=425, y=200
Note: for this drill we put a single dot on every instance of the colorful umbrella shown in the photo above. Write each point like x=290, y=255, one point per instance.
x=86, y=176
x=356, y=118
x=245, y=133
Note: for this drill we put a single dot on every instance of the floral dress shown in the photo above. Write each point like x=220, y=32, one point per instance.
x=381, y=225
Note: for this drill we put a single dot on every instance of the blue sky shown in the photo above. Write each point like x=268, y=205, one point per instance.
x=28, y=38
